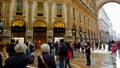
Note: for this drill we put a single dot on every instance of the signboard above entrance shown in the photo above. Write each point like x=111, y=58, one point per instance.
x=18, y=29
x=59, y=30
x=39, y=29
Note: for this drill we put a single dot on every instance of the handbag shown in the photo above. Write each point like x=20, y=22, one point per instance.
x=43, y=61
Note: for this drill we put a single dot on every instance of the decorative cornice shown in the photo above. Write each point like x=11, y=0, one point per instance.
x=59, y=19
x=19, y=17
x=40, y=18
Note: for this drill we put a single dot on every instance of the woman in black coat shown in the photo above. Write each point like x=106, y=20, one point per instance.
x=48, y=59
x=20, y=59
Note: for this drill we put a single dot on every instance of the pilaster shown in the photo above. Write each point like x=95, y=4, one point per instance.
x=29, y=30
x=6, y=33
x=50, y=25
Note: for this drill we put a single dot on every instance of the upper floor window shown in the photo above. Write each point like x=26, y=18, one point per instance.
x=59, y=10
x=0, y=9
x=40, y=9
x=74, y=13
x=80, y=17
x=19, y=7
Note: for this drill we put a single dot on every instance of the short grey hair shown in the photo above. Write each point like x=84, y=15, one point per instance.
x=45, y=48
x=20, y=48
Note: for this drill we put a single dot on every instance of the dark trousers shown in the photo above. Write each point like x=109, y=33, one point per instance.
x=0, y=60
x=61, y=62
x=82, y=50
x=88, y=60
x=67, y=62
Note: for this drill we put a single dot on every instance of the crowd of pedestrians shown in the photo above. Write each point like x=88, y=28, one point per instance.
x=22, y=54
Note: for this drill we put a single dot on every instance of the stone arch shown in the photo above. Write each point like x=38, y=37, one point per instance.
x=19, y=23
x=102, y=2
x=39, y=23
x=59, y=24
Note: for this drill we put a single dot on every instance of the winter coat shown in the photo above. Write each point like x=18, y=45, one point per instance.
x=49, y=60
x=19, y=60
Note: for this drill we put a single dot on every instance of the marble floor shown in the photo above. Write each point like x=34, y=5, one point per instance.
x=99, y=59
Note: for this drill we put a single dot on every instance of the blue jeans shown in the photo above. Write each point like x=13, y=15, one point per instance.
x=88, y=60
x=61, y=62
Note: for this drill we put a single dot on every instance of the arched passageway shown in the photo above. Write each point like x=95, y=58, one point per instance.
x=100, y=3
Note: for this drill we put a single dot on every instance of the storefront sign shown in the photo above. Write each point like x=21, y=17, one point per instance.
x=59, y=30
x=39, y=29
x=18, y=29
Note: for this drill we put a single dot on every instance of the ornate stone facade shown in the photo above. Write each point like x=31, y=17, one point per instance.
x=78, y=20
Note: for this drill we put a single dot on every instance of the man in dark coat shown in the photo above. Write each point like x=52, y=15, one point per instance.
x=20, y=59
x=11, y=50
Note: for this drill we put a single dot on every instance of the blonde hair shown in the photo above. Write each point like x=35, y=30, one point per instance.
x=45, y=48
x=20, y=48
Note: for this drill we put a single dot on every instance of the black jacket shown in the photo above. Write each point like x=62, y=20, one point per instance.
x=49, y=59
x=19, y=60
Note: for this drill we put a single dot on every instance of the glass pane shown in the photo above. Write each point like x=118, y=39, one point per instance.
x=40, y=7
x=59, y=9
x=19, y=5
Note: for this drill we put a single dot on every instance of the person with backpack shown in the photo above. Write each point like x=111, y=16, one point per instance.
x=11, y=50
x=113, y=51
x=118, y=47
x=32, y=47
x=62, y=53
x=69, y=55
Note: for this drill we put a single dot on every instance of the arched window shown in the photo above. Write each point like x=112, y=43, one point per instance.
x=59, y=24
x=18, y=23
x=40, y=24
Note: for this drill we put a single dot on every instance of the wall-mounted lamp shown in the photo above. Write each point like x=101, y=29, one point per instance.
x=50, y=31
x=28, y=31
x=80, y=32
x=69, y=31
x=5, y=30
